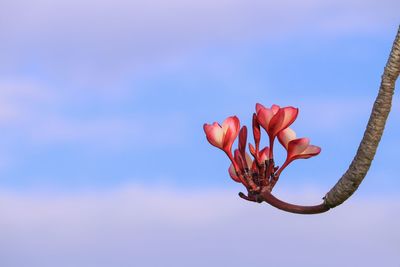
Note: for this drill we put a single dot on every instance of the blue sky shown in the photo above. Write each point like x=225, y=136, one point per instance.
x=101, y=99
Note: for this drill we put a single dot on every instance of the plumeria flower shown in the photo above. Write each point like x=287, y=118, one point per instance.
x=223, y=136
x=274, y=120
x=299, y=148
x=259, y=173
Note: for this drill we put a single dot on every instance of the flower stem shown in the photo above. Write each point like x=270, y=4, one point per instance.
x=284, y=165
x=271, y=148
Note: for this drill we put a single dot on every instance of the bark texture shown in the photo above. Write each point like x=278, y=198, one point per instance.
x=361, y=163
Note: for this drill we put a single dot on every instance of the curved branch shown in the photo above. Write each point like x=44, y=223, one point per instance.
x=265, y=195
x=277, y=203
x=359, y=167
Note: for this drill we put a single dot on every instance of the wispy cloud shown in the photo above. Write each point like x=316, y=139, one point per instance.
x=44, y=117
x=145, y=131
x=115, y=39
x=197, y=18
x=164, y=227
x=327, y=115
x=18, y=98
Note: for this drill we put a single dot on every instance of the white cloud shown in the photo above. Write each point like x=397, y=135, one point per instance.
x=18, y=96
x=111, y=39
x=139, y=226
x=37, y=115
x=195, y=19
x=330, y=115
x=147, y=131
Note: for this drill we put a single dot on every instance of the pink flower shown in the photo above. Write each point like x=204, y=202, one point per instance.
x=275, y=119
x=299, y=148
x=223, y=136
x=259, y=172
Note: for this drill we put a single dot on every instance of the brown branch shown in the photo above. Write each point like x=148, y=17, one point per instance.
x=277, y=203
x=359, y=167
x=265, y=195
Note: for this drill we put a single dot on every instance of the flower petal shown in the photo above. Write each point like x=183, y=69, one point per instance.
x=297, y=146
x=285, y=136
x=214, y=134
x=290, y=116
x=232, y=123
x=259, y=107
x=310, y=151
x=275, y=108
x=233, y=175
x=275, y=124
x=264, y=116
x=264, y=153
x=282, y=119
x=230, y=128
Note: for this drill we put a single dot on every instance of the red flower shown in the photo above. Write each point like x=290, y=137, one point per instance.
x=275, y=119
x=299, y=148
x=223, y=136
x=259, y=173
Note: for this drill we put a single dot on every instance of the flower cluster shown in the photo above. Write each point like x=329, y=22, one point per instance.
x=259, y=171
